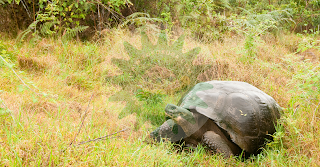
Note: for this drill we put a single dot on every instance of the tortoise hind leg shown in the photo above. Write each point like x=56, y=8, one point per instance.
x=217, y=144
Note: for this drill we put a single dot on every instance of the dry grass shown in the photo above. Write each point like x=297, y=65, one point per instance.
x=70, y=73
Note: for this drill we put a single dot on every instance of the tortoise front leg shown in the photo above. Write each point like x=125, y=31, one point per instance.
x=217, y=144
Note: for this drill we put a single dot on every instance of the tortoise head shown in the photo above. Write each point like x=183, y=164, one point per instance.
x=183, y=117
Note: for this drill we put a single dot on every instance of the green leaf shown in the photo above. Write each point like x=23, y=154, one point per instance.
x=82, y=15
x=299, y=49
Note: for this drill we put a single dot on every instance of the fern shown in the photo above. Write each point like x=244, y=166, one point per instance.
x=45, y=29
x=72, y=32
x=261, y=23
x=221, y=4
x=139, y=19
x=31, y=27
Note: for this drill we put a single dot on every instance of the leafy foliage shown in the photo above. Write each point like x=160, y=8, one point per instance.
x=308, y=80
x=311, y=84
x=51, y=23
x=207, y=20
x=149, y=97
x=139, y=19
x=70, y=33
x=66, y=18
x=308, y=42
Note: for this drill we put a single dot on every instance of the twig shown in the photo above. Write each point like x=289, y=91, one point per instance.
x=296, y=109
x=82, y=122
x=103, y=137
x=84, y=127
x=114, y=13
x=26, y=8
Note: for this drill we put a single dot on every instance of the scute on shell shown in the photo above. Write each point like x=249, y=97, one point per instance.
x=245, y=112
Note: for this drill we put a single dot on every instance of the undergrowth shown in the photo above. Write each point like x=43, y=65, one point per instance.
x=44, y=103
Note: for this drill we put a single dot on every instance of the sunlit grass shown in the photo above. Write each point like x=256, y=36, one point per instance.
x=42, y=127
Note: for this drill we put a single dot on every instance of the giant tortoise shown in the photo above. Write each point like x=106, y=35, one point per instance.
x=227, y=116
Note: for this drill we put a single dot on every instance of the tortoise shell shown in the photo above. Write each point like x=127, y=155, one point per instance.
x=246, y=113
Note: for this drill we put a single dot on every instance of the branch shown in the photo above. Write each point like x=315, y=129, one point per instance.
x=297, y=107
x=103, y=137
x=114, y=13
x=82, y=122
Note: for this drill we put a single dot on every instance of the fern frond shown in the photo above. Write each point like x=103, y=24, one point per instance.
x=72, y=32
x=45, y=29
x=23, y=34
x=139, y=18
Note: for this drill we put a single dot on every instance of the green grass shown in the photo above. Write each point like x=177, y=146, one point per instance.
x=63, y=77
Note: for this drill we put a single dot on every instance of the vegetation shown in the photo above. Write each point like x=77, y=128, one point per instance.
x=69, y=77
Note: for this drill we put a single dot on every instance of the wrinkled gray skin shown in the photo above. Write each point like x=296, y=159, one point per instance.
x=201, y=130
x=193, y=128
x=169, y=130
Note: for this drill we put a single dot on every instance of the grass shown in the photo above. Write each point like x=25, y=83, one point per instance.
x=63, y=76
